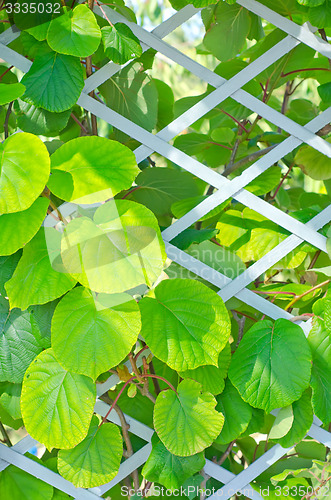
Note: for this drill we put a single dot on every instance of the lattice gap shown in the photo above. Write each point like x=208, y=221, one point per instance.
x=224, y=189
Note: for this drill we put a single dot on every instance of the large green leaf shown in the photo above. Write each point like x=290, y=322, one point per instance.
x=91, y=169
x=57, y=405
x=38, y=121
x=271, y=367
x=119, y=250
x=24, y=171
x=100, y=329
x=186, y=325
x=34, y=280
x=41, y=316
x=237, y=414
x=187, y=422
x=120, y=44
x=320, y=16
x=76, y=32
x=320, y=344
x=47, y=78
x=18, y=228
x=314, y=163
x=226, y=38
x=94, y=461
x=302, y=421
x=212, y=377
x=17, y=484
x=133, y=94
x=20, y=342
x=166, y=103
x=160, y=187
x=10, y=91
x=170, y=470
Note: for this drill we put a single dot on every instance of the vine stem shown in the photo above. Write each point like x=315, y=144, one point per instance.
x=298, y=297
x=5, y=126
x=131, y=379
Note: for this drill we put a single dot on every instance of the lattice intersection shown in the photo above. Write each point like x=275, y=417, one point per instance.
x=225, y=189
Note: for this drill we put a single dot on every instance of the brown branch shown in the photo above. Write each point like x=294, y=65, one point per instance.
x=226, y=453
x=157, y=388
x=253, y=156
x=303, y=69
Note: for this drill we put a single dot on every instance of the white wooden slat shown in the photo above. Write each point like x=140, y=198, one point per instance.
x=161, y=31
x=249, y=474
x=229, y=87
x=272, y=257
x=238, y=184
x=225, y=476
x=43, y=473
x=293, y=29
x=10, y=35
x=195, y=167
x=24, y=445
x=321, y=435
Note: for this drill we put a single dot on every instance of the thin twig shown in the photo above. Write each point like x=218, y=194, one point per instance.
x=226, y=453
x=253, y=156
x=156, y=384
x=86, y=132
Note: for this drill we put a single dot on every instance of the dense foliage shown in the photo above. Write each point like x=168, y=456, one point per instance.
x=88, y=291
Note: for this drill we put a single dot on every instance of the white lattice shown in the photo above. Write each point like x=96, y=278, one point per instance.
x=224, y=189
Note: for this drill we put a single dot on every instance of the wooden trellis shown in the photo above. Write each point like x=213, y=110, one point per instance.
x=224, y=189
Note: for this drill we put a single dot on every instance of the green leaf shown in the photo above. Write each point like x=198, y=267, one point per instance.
x=10, y=91
x=218, y=258
x=180, y=208
x=159, y=188
x=320, y=344
x=76, y=32
x=7, y=267
x=119, y=250
x=133, y=94
x=184, y=239
x=302, y=421
x=237, y=414
x=38, y=121
x=91, y=169
x=17, y=484
x=169, y=470
x=24, y=171
x=166, y=101
x=101, y=329
x=20, y=342
x=94, y=461
x=265, y=182
x=314, y=163
x=34, y=280
x=187, y=422
x=53, y=72
x=227, y=37
x=18, y=228
x=271, y=367
x=283, y=423
x=203, y=148
x=211, y=377
x=57, y=405
x=120, y=44
x=10, y=400
x=325, y=92
x=186, y=325
x=321, y=16
x=41, y=316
